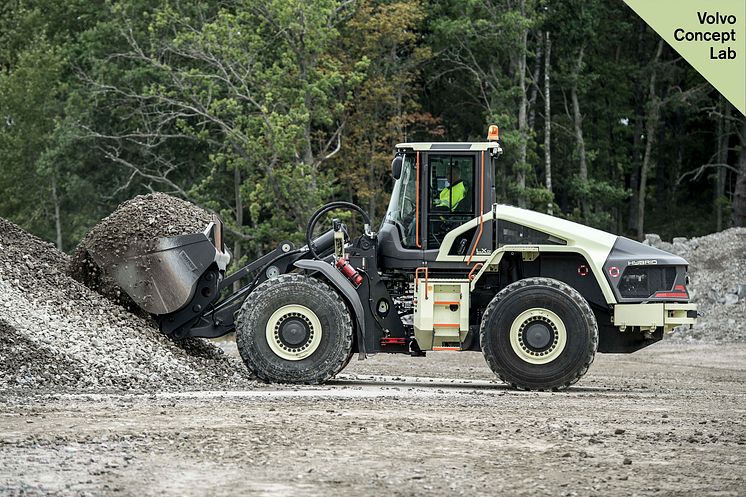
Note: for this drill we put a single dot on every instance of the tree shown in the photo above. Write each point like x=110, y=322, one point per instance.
x=385, y=109
x=651, y=124
x=548, y=118
x=262, y=110
x=30, y=104
x=485, y=49
x=255, y=90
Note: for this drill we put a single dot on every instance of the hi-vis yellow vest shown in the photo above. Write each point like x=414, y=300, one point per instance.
x=452, y=195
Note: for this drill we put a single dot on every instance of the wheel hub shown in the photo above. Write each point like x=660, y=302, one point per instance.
x=293, y=332
x=538, y=336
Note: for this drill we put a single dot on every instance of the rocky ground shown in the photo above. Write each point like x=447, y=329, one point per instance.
x=666, y=421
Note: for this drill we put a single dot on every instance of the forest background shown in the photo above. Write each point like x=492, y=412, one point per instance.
x=262, y=110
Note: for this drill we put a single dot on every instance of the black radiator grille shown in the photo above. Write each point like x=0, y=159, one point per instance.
x=644, y=281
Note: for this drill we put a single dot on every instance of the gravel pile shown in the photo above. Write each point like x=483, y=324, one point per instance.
x=142, y=218
x=57, y=334
x=717, y=268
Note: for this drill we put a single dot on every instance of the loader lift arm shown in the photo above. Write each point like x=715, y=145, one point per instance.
x=212, y=309
x=208, y=316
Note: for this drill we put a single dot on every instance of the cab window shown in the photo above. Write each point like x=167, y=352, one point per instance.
x=451, y=185
x=402, y=206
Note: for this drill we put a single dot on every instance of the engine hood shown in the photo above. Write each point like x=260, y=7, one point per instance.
x=610, y=255
x=598, y=243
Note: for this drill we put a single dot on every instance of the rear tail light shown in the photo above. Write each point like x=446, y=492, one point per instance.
x=678, y=292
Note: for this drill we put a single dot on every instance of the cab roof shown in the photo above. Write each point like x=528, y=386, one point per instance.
x=447, y=146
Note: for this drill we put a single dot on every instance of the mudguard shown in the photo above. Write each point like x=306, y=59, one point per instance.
x=348, y=291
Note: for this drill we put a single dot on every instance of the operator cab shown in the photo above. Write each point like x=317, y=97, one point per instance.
x=439, y=188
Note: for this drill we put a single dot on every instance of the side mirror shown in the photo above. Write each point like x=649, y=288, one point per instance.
x=396, y=165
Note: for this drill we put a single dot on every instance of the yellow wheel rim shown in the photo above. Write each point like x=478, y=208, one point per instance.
x=549, y=330
x=304, y=317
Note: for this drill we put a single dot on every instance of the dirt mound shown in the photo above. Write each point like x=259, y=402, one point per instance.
x=717, y=269
x=142, y=218
x=57, y=334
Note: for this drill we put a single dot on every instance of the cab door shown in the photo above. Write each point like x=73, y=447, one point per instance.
x=460, y=190
x=451, y=180
x=438, y=193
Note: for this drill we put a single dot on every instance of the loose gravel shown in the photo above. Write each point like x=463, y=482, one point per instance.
x=666, y=421
x=717, y=269
x=143, y=218
x=57, y=334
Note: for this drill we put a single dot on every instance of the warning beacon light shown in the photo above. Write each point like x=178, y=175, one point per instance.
x=493, y=134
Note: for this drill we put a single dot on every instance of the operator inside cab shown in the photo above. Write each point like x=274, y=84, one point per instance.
x=453, y=193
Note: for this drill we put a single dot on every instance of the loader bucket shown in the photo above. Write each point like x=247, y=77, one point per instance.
x=161, y=275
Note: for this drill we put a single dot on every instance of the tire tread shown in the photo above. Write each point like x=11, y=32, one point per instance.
x=343, y=314
x=587, y=315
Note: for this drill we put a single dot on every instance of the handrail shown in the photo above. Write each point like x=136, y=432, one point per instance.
x=481, y=214
x=471, y=273
x=417, y=278
x=417, y=204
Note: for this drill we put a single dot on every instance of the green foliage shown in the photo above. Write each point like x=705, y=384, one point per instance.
x=29, y=106
x=261, y=110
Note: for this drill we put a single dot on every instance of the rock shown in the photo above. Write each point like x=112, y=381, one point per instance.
x=741, y=291
x=652, y=239
x=627, y=461
x=668, y=247
x=717, y=264
x=678, y=240
x=619, y=431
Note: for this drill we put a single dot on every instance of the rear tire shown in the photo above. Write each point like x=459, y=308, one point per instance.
x=294, y=329
x=539, y=334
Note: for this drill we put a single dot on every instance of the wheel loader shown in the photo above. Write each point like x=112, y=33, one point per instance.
x=448, y=270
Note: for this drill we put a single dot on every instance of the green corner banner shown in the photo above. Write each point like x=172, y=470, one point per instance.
x=709, y=34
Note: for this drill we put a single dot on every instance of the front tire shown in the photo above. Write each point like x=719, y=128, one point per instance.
x=294, y=329
x=539, y=334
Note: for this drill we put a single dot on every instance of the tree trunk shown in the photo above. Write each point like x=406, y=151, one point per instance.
x=534, y=85
x=57, y=215
x=663, y=186
x=738, y=217
x=580, y=142
x=239, y=219
x=372, y=178
x=723, y=139
x=548, y=121
x=651, y=123
x=634, y=180
x=522, y=116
